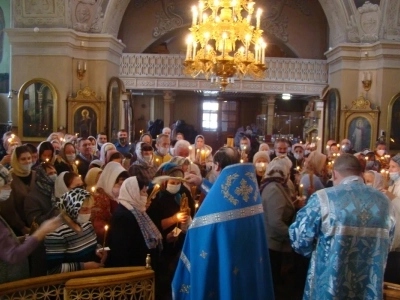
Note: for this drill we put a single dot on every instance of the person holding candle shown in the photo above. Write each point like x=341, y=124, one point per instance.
x=106, y=196
x=92, y=177
x=279, y=213
x=67, y=250
x=65, y=160
x=314, y=174
x=201, y=153
x=374, y=179
x=143, y=168
x=161, y=154
x=260, y=161
x=381, y=155
x=246, y=149
x=371, y=163
x=298, y=154
x=165, y=212
x=346, y=147
x=10, y=142
x=132, y=233
x=45, y=153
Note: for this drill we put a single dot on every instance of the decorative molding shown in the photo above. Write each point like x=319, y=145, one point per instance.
x=86, y=16
x=392, y=20
x=113, y=16
x=51, y=13
x=370, y=19
x=167, y=19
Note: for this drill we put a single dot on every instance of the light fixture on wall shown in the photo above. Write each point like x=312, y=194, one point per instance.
x=367, y=81
x=11, y=94
x=81, y=70
x=217, y=34
x=286, y=96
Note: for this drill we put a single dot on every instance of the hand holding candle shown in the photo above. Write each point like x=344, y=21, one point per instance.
x=105, y=236
x=301, y=188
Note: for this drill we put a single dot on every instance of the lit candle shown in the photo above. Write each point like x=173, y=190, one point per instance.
x=301, y=187
x=194, y=13
x=203, y=156
x=105, y=236
x=47, y=160
x=157, y=162
x=241, y=161
x=77, y=162
x=259, y=11
x=298, y=168
x=264, y=45
x=93, y=189
x=13, y=136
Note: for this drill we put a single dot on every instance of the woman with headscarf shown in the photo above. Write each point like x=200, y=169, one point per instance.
x=93, y=140
x=92, y=177
x=200, y=153
x=103, y=151
x=65, y=160
x=260, y=161
x=132, y=233
x=23, y=177
x=374, y=179
x=165, y=211
x=65, y=182
x=106, y=196
x=143, y=168
x=279, y=212
x=68, y=250
x=45, y=153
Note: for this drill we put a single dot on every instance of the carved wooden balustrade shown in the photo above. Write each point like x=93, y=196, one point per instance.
x=109, y=283
x=164, y=71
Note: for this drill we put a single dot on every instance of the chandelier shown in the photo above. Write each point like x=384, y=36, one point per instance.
x=213, y=47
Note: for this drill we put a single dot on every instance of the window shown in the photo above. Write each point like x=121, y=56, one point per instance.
x=228, y=116
x=210, y=115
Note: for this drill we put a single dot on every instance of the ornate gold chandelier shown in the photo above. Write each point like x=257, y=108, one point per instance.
x=217, y=36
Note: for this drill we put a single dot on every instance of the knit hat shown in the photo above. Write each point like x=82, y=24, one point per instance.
x=261, y=154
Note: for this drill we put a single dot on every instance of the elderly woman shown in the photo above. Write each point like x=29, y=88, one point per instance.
x=143, y=168
x=165, y=211
x=65, y=160
x=67, y=250
x=103, y=150
x=279, y=212
x=200, y=153
x=314, y=173
x=132, y=233
x=106, y=196
x=260, y=161
x=374, y=179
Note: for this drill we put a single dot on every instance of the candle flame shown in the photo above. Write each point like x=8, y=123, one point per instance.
x=106, y=227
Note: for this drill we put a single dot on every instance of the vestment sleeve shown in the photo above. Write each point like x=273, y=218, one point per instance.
x=304, y=231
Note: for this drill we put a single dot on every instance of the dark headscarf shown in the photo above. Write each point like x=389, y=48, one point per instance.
x=44, y=182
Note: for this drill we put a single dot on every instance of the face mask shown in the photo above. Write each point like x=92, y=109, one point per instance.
x=369, y=184
x=394, y=175
x=26, y=168
x=298, y=156
x=83, y=218
x=346, y=148
x=261, y=167
x=281, y=154
x=70, y=157
x=289, y=149
x=147, y=158
x=243, y=147
x=173, y=188
x=163, y=151
x=306, y=152
x=115, y=192
x=122, y=140
x=381, y=152
x=369, y=164
x=53, y=177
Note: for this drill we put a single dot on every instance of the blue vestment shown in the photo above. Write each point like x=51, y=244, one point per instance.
x=347, y=230
x=225, y=255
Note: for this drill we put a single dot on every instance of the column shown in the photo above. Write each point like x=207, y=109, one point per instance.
x=168, y=107
x=319, y=114
x=270, y=114
x=264, y=105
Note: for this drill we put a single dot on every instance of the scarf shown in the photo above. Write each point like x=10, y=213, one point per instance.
x=90, y=178
x=103, y=151
x=16, y=166
x=140, y=160
x=108, y=177
x=59, y=187
x=72, y=201
x=43, y=181
x=129, y=197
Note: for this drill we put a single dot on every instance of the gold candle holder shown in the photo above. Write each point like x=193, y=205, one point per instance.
x=153, y=193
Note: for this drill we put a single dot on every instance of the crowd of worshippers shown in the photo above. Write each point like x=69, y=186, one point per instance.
x=73, y=204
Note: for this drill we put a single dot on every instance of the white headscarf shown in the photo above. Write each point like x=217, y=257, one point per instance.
x=378, y=179
x=129, y=195
x=103, y=150
x=59, y=187
x=108, y=177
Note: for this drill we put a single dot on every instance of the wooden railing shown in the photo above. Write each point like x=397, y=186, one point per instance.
x=109, y=283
